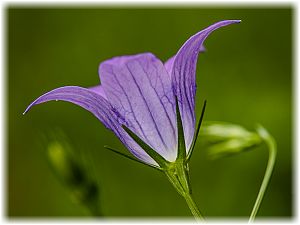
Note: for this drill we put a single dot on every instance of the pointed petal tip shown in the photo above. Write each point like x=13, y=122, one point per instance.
x=236, y=21
x=231, y=21
x=27, y=109
x=32, y=104
x=222, y=23
x=227, y=22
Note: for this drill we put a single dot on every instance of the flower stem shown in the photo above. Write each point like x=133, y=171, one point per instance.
x=178, y=175
x=269, y=140
x=193, y=207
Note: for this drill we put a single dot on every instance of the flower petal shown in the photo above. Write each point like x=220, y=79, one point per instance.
x=169, y=62
x=182, y=68
x=140, y=89
x=100, y=108
x=98, y=90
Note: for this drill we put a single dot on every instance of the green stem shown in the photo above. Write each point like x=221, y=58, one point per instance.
x=269, y=140
x=178, y=175
x=193, y=207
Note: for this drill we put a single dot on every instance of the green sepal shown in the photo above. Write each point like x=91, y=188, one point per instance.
x=181, y=149
x=197, y=132
x=178, y=174
x=130, y=157
x=162, y=162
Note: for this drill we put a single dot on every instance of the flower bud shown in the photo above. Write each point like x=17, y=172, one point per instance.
x=225, y=139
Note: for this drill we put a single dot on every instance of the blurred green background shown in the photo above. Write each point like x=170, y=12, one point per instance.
x=245, y=75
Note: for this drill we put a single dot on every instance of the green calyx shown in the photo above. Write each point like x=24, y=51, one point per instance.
x=178, y=175
x=177, y=172
x=182, y=157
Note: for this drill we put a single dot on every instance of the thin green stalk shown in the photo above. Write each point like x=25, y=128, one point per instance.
x=269, y=140
x=193, y=207
x=179, y=177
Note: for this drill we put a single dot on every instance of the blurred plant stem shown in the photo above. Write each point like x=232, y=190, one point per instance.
x=75, y=177
x=270, y=142
x=227, y=139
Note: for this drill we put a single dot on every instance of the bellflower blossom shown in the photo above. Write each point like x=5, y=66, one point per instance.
x=150, y=106
x=139, y=92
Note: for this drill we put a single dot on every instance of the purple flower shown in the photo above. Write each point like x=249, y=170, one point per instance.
x=139, y=92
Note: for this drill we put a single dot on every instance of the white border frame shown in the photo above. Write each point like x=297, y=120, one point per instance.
x=132, y=3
